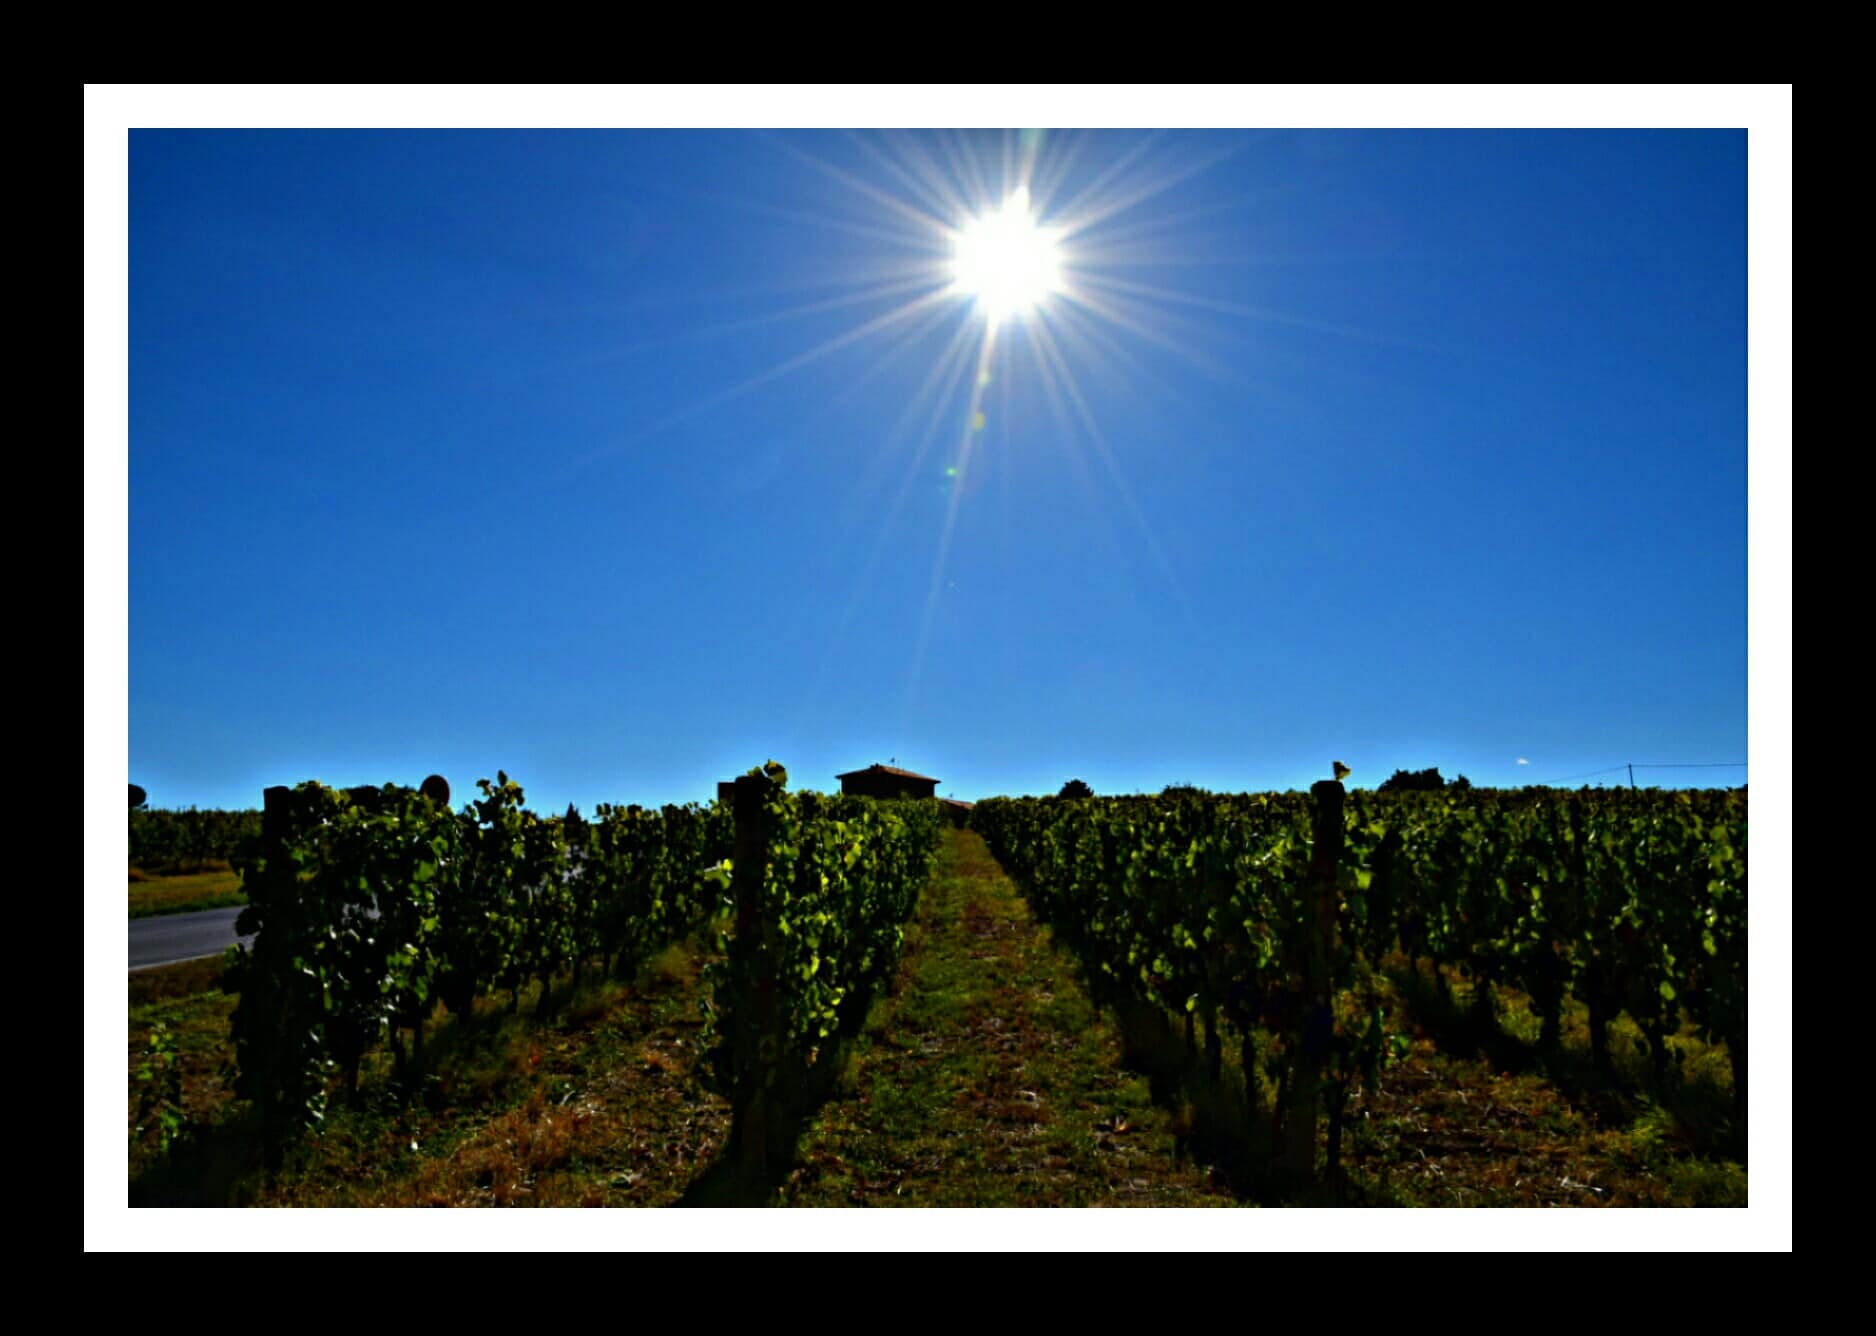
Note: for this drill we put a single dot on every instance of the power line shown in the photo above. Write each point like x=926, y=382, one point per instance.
x=1695, y=765
x=1549, y=783
x=1633, y=766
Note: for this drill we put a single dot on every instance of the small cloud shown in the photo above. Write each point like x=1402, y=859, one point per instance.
x=1524, y=760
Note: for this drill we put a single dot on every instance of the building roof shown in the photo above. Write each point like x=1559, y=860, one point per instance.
x=886, y=770
x=956, y=802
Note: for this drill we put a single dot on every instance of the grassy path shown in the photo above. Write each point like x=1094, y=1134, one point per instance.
x=987, y=1077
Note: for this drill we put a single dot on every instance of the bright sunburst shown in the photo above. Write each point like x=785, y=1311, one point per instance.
x=1046, y=251
x=1006, y=260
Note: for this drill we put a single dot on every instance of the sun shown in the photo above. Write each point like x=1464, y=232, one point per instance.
x=1006, y=261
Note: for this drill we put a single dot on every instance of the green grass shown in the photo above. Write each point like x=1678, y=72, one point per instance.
x=988, y=1078
x=595, y=1102
x=1662, y=1122
x=181, y=894
x=183, y=979
x=1450, y=1131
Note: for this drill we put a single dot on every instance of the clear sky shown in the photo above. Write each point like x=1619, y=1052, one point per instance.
x=626, y=461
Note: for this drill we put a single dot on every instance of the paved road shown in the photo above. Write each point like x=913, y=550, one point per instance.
x=164, y=939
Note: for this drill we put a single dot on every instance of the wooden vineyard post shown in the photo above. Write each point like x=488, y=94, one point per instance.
x=274, y=819
x=753, y=1113
x=1319, y=908
x=270, y=899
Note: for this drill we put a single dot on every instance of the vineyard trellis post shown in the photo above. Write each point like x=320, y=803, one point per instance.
x=1319, y=923
x=275, y=821
x=753, y=1113
x=276, y=835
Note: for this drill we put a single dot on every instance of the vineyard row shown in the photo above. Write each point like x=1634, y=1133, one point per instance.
x=1274, y=914
x=371, y=906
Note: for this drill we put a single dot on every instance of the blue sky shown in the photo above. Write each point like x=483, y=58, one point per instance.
x=602, y=458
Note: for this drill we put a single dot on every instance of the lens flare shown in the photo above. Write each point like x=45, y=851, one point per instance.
x=1007, y=261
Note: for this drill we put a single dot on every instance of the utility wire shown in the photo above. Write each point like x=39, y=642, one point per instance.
x=1696, y=765
x=1638, y=765
x=1552, y=783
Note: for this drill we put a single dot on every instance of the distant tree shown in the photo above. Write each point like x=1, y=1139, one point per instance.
x=1075, y=789
x=1460, y=785
x=137, y=796
x=1182, y=791
x=1413, y=781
